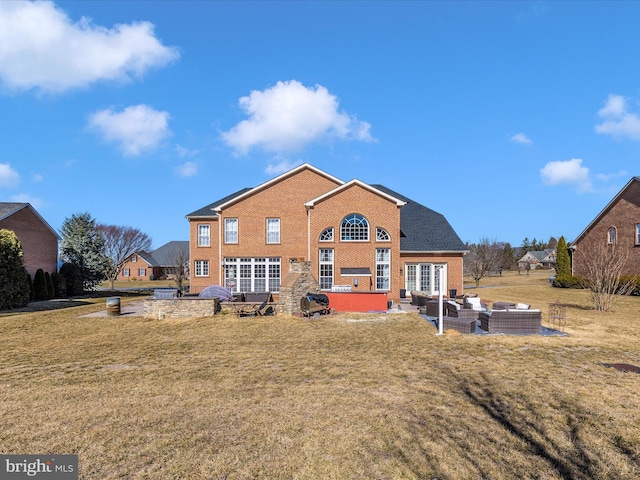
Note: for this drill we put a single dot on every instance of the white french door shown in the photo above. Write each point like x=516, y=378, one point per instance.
x=425, y=277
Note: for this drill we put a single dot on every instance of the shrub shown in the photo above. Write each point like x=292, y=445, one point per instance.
x=631, y=279
x=73, y=279
x=49, y=283
x=32, y=293
x=567, y=281
x=14, y=283
x=40, y=286
x=59, y=285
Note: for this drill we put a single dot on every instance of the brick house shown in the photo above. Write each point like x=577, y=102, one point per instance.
x=358, y=236
x=156, y=264
x=618, y=224
x=39, y=241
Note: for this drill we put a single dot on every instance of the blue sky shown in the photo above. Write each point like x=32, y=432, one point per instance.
x=513, y=119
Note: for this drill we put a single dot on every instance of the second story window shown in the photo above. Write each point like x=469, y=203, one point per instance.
x=354, y=228
x=273, y=230
x=611, y=235
x=327, y=235
x=382, y=235
x=230, y=230
x=204, y=236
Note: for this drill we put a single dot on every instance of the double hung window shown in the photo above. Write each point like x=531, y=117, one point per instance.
x=326, y=268
x=204, y=235
x=273, y=230
x=230, y=230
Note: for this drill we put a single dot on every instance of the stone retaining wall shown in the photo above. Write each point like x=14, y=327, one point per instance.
x=159, y=308
x=186, y=307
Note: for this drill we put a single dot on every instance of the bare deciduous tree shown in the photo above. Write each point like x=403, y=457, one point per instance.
x=483, y=258
x=119, y=244
x=178, y=266
x=602, y=268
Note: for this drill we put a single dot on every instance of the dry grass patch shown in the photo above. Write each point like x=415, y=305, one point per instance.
x=343, y=396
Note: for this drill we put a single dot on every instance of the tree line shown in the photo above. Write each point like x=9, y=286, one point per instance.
x=491, y=256
x=91, y=253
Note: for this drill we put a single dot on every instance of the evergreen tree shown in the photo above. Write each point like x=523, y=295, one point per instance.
x=72, y=279
x=82, y=245
x=14, y=284
x=59, y=285
x=49, y=284
x=40, y=286
x=563, y=262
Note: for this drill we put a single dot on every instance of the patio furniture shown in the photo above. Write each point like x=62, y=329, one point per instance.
x=512, y=321
x=462, y=325
x=502, y=305
x=419, y=299
x=474, y=303
x=455, y=310
x=557, y=316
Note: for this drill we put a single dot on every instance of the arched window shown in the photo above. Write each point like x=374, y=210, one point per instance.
x=354, y=228
x=611, y=235
x=382, y=235
x=327, y=235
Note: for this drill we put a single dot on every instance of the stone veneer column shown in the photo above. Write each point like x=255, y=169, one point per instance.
x=297, y=283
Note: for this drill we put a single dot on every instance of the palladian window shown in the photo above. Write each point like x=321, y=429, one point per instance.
x=354, y=228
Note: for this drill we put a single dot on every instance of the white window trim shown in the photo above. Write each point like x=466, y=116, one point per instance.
x=325, y=263
x=204, y=265
x=228, y=221
x=367, y=232
x=204, y=240
x=273, y=221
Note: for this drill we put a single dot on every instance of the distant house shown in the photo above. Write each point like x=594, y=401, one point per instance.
x=537, y=259
x=157, y=264
x=618, y=224
x=39, y=241
x=354, y=235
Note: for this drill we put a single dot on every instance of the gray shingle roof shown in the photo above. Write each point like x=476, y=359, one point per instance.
x=165, y=255
x=207, y=211
x=424, y=230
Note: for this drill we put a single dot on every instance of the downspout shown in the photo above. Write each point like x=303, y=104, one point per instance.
x=308, y=233
x=220, y=261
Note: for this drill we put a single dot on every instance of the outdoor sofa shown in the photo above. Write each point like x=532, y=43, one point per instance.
x=512, y=321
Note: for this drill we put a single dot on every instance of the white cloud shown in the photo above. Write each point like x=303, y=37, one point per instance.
x=187, y=169
x=185, y=152
x=36, y=177
x=26, y=198
x=9, y=178
x=567, y=172
x=280, y=167
x=521, y=138
x=137, y=128
x=289, y=116
x=617, y=121
x=42, y=48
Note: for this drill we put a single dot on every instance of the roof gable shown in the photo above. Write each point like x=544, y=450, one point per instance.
x=10, y=208
x=344, y=186
x=614, y=201
x=267, y=184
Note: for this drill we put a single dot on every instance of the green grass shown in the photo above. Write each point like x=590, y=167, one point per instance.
x=342, y=397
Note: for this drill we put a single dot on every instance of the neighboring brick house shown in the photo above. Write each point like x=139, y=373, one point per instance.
x=154, y=265
x=618, y=224
x=358, y=236
x=39, y=241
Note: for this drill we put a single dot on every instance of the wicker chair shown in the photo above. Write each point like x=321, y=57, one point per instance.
x=456, y=310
